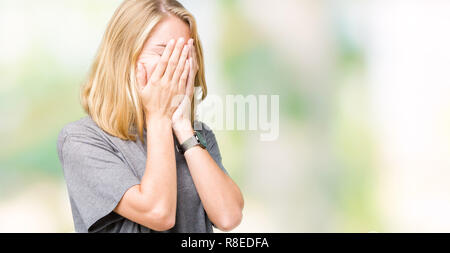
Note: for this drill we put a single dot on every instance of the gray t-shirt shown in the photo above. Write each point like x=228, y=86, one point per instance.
x=100, y=168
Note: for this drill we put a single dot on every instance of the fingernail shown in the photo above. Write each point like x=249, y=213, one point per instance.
x=171, y=41
x=181, y=40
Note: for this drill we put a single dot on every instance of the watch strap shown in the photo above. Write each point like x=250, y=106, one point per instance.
x=190, y=143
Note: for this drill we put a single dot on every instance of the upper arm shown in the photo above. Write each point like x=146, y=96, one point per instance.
x=97, y=178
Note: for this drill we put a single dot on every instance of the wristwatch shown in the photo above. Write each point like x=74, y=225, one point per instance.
x=196, y=140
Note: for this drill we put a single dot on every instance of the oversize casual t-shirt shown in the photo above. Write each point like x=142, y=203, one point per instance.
x=100, y=168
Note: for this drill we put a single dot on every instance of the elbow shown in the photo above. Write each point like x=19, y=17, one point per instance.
x=160, y=220
x=230, y=222
x=158, y=215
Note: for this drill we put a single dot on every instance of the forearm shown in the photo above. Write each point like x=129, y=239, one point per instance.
x=152, y=203
x=159, y=182
x=221, y=197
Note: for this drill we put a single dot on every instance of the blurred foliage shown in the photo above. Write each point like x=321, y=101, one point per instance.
x=252, y=65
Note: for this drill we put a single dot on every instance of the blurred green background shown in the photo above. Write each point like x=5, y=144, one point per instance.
x=364, y=92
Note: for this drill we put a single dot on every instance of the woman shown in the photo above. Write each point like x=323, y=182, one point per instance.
x=135, y=164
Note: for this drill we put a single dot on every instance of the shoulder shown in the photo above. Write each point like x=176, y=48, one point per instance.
x=84, y=129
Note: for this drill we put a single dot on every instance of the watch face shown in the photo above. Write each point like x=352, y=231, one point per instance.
x=201, y=139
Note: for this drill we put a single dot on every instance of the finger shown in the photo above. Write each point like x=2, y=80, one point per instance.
x=191, y=81
x=194, y=55
x=183, y=79
x=191, y=44
x=162, y=65
x=181, y=64
x=141, y=76
x=173, y=61
x=150, y=69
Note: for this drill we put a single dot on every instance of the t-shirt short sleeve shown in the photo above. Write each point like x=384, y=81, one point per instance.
x=96, y=177
x=213, y=147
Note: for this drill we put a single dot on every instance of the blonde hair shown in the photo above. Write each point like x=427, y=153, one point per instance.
x=110, y=95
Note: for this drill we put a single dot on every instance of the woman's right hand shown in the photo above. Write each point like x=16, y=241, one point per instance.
x=167, y=80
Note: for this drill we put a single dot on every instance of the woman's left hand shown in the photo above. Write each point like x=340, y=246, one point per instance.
x=181, y=120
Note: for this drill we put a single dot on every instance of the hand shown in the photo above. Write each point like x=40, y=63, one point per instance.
x=181, y=120
x=167, y=79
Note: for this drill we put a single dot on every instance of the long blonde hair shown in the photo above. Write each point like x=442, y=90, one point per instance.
x=110, y=95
